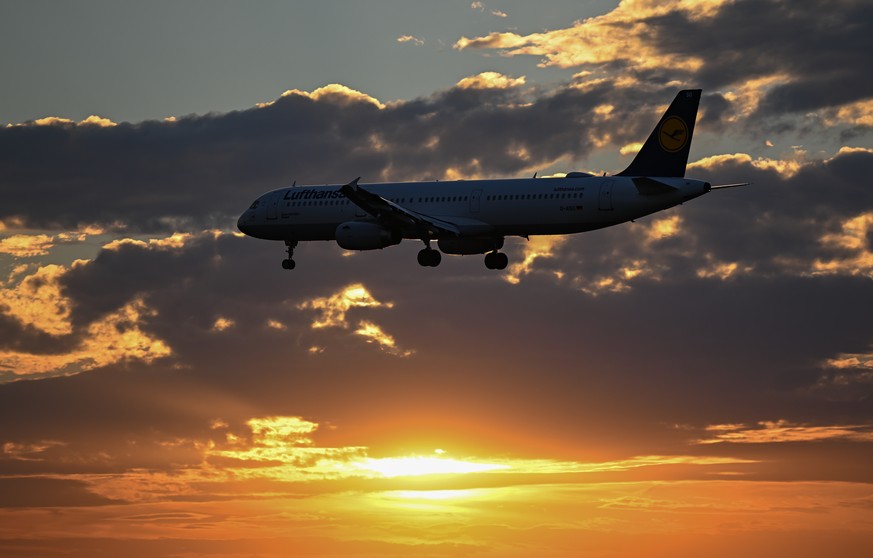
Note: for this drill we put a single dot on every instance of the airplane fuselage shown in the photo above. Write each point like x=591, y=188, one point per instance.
x=479, y=208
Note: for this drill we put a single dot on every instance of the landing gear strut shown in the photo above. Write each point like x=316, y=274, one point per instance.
x=289, y=262
x=496, y=260
x=428, y=257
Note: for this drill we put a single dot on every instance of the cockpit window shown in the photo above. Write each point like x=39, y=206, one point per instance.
x=254, y=205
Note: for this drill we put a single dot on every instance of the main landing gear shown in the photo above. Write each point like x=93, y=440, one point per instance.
x=289, y=262
x=496, y=260
x=429, y=257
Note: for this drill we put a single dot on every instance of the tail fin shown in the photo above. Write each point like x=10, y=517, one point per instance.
x=665, y=153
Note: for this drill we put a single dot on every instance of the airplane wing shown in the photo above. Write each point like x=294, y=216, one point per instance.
x=392, y=214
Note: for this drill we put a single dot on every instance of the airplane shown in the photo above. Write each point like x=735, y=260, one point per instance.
x=467, y=217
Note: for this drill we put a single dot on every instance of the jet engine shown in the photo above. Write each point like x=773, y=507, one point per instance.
x=467, y=246
x=361, y=235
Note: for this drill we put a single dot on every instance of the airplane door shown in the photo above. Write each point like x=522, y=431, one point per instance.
x=605, y=203
x=273, y=205
x=475, y=200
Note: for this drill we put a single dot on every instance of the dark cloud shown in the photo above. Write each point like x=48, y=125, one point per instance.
x=203, y=170
x=38, y=492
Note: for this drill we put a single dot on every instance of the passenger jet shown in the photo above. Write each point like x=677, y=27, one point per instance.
x=475, y=216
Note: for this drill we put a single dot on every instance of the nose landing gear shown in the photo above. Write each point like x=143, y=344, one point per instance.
x=289, y=262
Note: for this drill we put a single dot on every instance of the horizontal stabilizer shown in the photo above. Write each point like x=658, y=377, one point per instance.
x=723, y=186
x=650, y=187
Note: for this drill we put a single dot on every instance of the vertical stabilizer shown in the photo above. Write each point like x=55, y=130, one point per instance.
x=665, y=153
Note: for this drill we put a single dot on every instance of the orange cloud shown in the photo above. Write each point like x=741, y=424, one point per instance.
x=115, y=338
x=36, y=300
x=222, y=324
x=768, y=432
x=27, y=245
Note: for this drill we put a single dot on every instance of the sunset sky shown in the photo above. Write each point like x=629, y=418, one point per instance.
x=697, y=383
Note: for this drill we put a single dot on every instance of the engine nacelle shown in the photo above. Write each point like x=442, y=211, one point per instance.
x=468, y=246
x=361, y=235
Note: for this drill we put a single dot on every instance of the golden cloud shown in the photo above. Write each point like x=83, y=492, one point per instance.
x=334, y=308
x=175, y=241
x=780, y=431
x=852, y=239
x=537, y=247
x=785, y=167
x=859, y=113
x=33, y=245
x=27, y=245
x=663, y=228
x=115, y=338
x=490, y=80
x=277, y=325
x=374, y=334
x=336, y=92
x=592, y=41
x=410, y=39
x=36, y=300
x=222, y=324
x=99, y=121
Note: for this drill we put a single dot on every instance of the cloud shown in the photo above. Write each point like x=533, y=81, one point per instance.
x=222, y=324
x=490, y=80
x=374, y=334
x=410, y=39
x=116, y=338
x=33, y=245
x=334, y=310
x=703, y=42
x=26, y=245
x=781, y=431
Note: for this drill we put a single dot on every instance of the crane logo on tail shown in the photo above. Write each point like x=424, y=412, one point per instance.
x=673, y=134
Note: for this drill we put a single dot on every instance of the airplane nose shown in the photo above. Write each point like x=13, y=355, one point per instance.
x=242, y=223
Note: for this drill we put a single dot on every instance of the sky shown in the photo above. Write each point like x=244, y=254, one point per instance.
x=696, y=383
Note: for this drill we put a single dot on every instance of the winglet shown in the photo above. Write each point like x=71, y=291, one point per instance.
x=665, y=153
x=350, y=187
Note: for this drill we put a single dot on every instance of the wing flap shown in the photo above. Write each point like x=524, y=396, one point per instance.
x=390, y=213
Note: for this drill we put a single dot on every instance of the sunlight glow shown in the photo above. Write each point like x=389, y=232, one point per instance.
x=420, y=465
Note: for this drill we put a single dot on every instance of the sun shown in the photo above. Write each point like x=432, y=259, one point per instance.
x=417, y=465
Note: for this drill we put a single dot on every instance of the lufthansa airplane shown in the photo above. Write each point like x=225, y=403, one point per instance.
x=474, y=216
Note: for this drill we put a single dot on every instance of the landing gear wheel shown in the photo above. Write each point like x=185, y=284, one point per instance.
x=489, y=260
x=502, y=260
x=429, y=258
x=289, y=262
x=496, y=260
